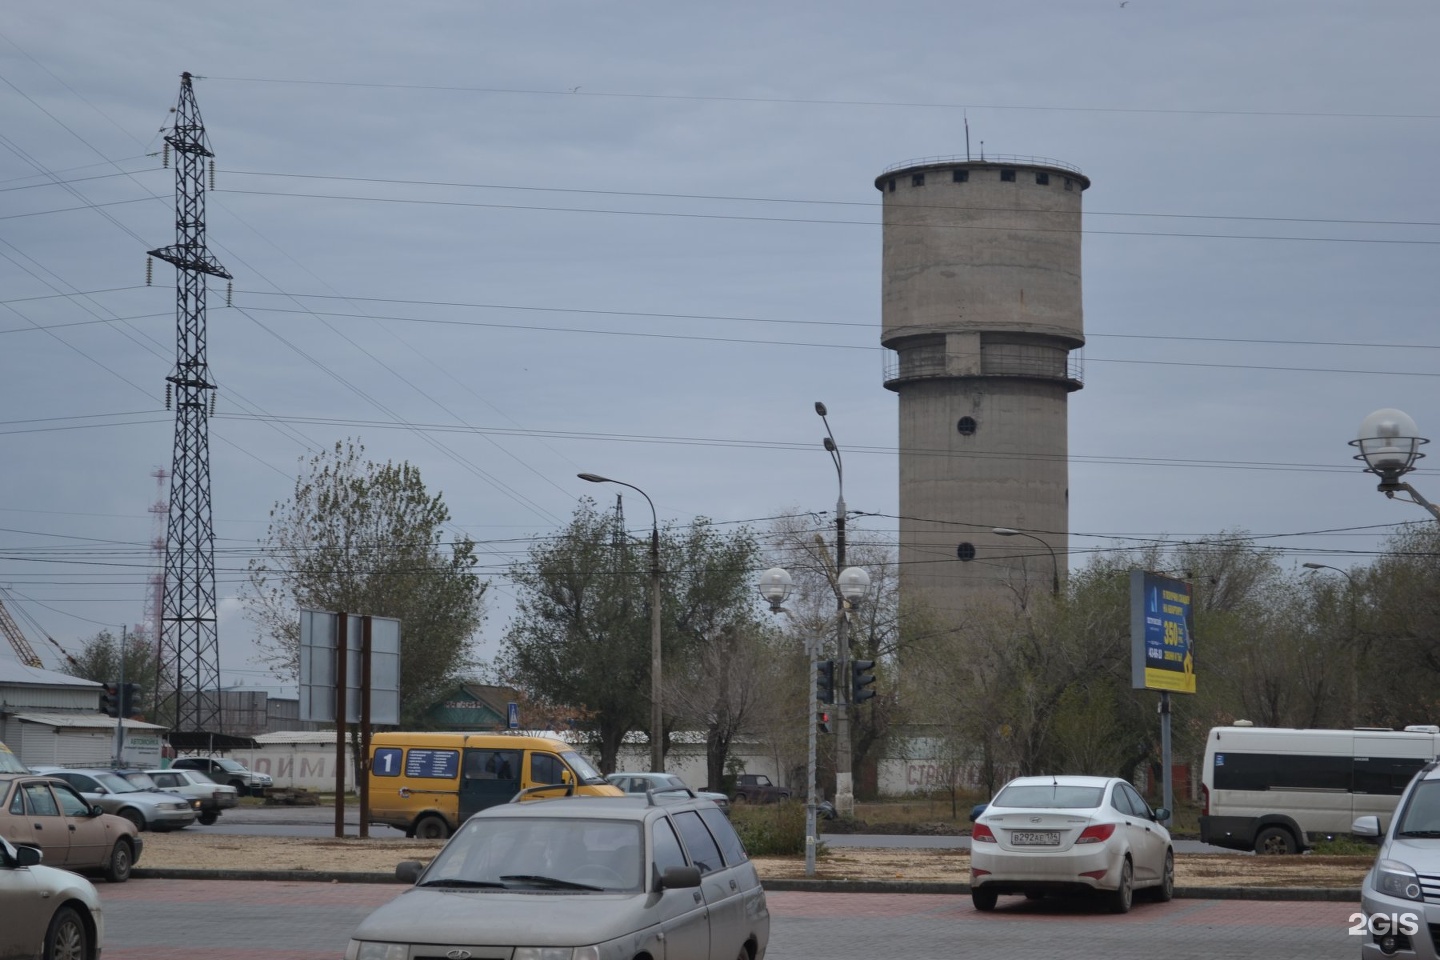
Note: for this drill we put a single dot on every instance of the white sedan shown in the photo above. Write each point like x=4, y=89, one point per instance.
x=1044, y=835
x=48, y=913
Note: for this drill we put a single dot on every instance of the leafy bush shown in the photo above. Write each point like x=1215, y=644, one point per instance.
x=1344, y=847
x=770, y=829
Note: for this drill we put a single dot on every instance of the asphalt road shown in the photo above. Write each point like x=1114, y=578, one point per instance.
x=234, y=920
x=282, y=821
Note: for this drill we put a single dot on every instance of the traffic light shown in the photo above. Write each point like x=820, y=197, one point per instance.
x=862, y=676
x=130, y=700
x=822, y=721
x=110, y=700
x=825, y=681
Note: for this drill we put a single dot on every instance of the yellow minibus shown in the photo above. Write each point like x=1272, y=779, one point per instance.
x=427, y=784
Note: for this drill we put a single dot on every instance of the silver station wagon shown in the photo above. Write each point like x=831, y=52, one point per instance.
x=579, y=878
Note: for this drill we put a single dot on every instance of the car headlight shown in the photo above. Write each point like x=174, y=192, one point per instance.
x=368, y=950
x=1396, y=879
x=557, y=953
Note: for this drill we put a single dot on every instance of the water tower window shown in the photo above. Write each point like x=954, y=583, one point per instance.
x=1007, y=175
x=1043, y=179
x=960, y=176
x=1069, y=184
x=890, y=185
x=917, y=180
x=966, y=426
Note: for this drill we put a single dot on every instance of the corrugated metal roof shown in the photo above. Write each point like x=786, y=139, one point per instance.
x=13, y=671
x=85, y=721
x=297, y=736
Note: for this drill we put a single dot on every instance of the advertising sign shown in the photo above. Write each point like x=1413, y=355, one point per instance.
x=318, y=667
x=1162, y=653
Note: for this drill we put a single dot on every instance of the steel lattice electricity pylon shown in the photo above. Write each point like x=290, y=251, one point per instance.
x=189, y=641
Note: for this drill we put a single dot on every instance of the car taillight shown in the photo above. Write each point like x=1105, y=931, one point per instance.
x=1204, y=799
x=1098, y=833
x=982, y=833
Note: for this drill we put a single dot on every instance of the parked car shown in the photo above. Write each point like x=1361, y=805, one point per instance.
x=640, y=782
x=224, y=770
x=757, y=788
x=193, y=785
x=49, y=914
x=147, y=809
x=1395, y=892
x=75, y=834
x=579, y=877
x=1056, y=835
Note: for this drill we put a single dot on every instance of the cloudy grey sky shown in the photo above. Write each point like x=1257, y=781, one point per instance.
x=512, y=242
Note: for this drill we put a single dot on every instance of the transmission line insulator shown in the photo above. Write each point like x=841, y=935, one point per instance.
x=213, y=394
x=212, y=174
x=167, y=396
x=229, y=293
x=165, y=156
x=149, y=270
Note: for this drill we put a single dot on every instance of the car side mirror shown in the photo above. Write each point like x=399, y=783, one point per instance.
x=96, y=810
x=28, y=856
x=676, y=878
x=1161, y=814
x=1367, y=828
x=408, y=871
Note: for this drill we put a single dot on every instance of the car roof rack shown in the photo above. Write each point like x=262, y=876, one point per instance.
x=569, y=789
x=651, y=793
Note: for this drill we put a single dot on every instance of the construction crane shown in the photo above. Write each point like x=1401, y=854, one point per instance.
x=23, y=650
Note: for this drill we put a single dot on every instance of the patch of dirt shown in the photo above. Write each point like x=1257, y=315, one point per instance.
x=194, y=850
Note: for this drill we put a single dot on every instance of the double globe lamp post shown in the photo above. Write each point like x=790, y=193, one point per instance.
x=853, y=584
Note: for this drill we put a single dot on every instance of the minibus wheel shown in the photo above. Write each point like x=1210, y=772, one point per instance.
x=431, y=827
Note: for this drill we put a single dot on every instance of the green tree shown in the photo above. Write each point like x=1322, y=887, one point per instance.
x=99, y=660
x=581, y=633
x=362, y=537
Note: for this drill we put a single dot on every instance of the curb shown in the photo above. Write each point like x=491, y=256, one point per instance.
x=1332, y=894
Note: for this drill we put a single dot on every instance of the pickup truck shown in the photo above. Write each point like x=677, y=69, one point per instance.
x=757, y=788
x=225, y=770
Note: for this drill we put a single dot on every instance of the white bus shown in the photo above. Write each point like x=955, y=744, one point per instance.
x=1274, y=789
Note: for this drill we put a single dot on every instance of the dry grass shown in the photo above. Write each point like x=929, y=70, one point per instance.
x=193, y=850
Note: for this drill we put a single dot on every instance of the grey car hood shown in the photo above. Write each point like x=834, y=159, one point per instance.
x=1421, y=854
x=538, y=918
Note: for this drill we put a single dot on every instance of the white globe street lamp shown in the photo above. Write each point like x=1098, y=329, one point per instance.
x=1389, y=443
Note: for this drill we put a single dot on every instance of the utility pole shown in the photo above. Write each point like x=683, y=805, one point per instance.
x=189, y=644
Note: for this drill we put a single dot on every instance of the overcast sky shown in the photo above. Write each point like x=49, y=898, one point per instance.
x=513, y=242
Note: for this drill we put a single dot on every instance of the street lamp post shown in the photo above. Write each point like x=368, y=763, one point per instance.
x=1354, y=639
x=775, y=585
x=1054, y=561
x=657, y=722
x=844, y=786
x=1389, y=443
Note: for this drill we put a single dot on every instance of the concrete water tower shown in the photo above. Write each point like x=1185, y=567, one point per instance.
x=981, y=308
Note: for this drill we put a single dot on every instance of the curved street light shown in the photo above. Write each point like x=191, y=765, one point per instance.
x=657, y=722
x=1354, y=638
x=844, y=788
x=1054, y=560
x=1389, y=443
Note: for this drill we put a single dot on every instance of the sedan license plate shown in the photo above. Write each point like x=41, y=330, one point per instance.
x=1035, y=838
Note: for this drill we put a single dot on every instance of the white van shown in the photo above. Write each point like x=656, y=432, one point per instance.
x=1274, y=789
